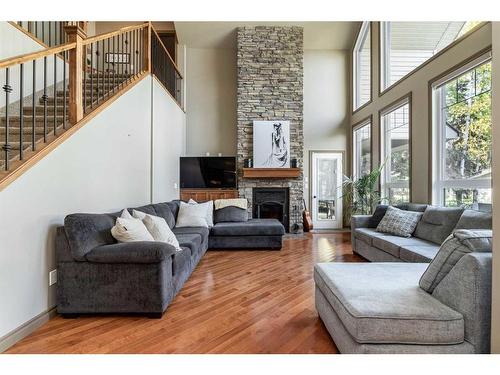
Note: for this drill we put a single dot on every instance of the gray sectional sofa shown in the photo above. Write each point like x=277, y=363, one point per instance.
x=404, y=304
x=436, y=224
x=98, y=275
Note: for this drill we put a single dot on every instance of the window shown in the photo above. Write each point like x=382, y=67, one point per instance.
x=362, y=149
x=462, y=130
x=406, y=45
x=395, y=152
x=362, y=67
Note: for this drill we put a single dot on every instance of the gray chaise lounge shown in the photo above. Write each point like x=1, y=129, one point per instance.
x=381, y=308
x=436, y=224
x=98, y=275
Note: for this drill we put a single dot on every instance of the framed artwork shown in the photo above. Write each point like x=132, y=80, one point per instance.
x=271, y=144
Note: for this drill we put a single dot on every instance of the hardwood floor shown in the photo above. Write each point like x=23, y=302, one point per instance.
x=234, y=302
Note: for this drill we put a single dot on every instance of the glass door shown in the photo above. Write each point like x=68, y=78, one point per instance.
x=326, y=192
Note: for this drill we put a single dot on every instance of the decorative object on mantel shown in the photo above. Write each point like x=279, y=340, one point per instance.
x=271, y=172
x=248, y=163
x=293, y=163
x=271, y=144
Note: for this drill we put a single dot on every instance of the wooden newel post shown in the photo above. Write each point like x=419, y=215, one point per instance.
x=75, y=109
x=147, y=48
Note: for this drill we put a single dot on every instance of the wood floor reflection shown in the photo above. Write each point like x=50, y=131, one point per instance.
x=234, y=302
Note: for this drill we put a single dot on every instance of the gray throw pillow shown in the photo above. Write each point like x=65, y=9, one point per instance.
x=458, y=244
x=230, y=214
x=399, y=222
x=377, y=215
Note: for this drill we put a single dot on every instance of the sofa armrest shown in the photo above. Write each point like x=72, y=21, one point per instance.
x=360, y=221
x=131, y=252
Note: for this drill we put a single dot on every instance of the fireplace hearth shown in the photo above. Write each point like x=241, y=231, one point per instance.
x=271, y=203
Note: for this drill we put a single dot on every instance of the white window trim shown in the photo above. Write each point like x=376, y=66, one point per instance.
x=367, y=122
x=385, y=183
x=385, y=54
x=364, y=32
x=438, y=160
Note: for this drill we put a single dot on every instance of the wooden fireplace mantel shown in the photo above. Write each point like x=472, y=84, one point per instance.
x=271, y=172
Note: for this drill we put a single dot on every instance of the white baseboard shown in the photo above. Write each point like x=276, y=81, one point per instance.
x=26, y=329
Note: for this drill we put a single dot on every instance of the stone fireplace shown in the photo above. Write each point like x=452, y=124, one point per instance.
x=271, y=203
x=270, y=87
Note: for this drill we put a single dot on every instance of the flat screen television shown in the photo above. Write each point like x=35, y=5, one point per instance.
x=208, y=172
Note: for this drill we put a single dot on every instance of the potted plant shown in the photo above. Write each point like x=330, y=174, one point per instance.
x=362, y=194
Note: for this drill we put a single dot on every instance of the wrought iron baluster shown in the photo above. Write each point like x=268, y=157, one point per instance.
x=55, y=94
x=97, y=69
x=85, y=67
x=21, y=110
x=33, y=104
x=114, y=65
x=45, y=99
x=122, y=61
x=64, y=88
x=91, y=76
x=7, y=88
x=108, y=70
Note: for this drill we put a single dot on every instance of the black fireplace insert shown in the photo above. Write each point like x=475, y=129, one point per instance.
x=271, y=203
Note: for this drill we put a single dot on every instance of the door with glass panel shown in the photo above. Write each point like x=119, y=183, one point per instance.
x=326, y=192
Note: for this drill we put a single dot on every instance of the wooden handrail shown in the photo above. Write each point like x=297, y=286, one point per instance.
x=168, y=54
x=110, y=34
x=5, y=63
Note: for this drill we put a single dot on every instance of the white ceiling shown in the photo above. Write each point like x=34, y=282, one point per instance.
x=317, y=35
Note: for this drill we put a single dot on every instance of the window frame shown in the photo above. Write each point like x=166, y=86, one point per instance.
x=365, y=28
x=384, y=185
x=368, y=121
x=438, y=183
x=382, y=25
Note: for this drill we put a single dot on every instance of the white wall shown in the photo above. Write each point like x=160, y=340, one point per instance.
x=495, y=311
x=325, y=104
x=211, y=101
x=103, y=167
x=169, y=125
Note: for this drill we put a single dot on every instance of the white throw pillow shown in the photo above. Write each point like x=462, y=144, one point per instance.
x=130, y=230
x=192, y=215
x=158, y=228
x=209, y=206
x=126, y=215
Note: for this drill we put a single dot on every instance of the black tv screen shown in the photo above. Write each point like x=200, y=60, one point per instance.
x=208, y=172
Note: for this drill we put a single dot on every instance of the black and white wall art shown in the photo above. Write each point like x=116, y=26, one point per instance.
x=271, y=144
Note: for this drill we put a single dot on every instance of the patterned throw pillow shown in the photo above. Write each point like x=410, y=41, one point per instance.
x=399, y=222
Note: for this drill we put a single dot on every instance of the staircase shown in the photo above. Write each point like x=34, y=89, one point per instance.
x=68, y=83
x=39, y=123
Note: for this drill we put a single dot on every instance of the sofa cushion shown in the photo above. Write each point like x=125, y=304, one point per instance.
x=190, y=241
x=418, y=253
x=437, y=223
x=399, y=222
x=367, y=234
x=416, y=207
x=174, y=207
x=202, y=231
x=386, y=305
x=252, y=227
x=86, y=231
x=472, y=219
x=163, y=210
x=462, y=242
x=392, y=244
x=230, y=214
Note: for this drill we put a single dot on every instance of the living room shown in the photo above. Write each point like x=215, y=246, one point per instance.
x=287, y=186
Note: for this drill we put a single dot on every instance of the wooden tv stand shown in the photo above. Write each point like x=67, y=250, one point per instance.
x=203, y=195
